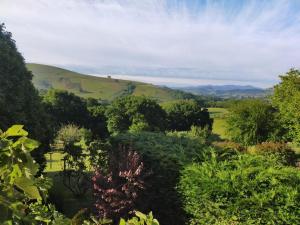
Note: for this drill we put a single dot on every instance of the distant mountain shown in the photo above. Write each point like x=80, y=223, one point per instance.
x=46, y=77
x=227, y=91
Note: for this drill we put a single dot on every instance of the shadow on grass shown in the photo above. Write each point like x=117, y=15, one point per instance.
x=64, y=199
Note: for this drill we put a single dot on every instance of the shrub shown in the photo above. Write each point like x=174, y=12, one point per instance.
x=287, y=155
x=163, y=155
x=248, y=189
x=228, y=149
x=117, y=187
x=253, y=121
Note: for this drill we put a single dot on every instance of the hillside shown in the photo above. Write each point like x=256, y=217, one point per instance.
x=227, y=91
x=46, y=77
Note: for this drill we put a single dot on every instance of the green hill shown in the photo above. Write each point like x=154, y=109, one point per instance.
x=46, y=77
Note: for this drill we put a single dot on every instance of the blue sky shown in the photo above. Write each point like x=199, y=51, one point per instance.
x=183, y=42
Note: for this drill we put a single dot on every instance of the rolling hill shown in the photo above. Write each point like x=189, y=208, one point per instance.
x=46, y=77
x=227, y=91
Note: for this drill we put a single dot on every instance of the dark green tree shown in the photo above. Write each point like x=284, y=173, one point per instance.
x=287, y=98
x=19, y=100
x=253, y=121
x=65, y=108
x=182, y=114
x=97, y=120
x=135, y=113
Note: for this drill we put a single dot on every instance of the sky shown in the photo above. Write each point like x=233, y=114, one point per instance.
x=176, y=42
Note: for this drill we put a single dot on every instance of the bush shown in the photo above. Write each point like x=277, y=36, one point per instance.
x=182, y=114
x=253, y=121
x=163, y=155
x=248, y=189
x=287, y=155
x=225, y=150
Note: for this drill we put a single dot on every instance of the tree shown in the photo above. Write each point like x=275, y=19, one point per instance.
x=97, y=120
x=65, y=108
x=183, y=114
x=253, y=121
x=19, y=100
x=135, y=112
x=74, y=141
x=286, y=99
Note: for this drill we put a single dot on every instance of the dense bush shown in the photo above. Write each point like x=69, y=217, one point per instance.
x=135, y=113
x=253, y=121
x=248, y=189
x=285, y=152
x=182, y=114
x=117, y=186
x=164, y=156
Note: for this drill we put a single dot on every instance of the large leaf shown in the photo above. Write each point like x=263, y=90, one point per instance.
x=28, y=186
x=29, y=144
x=15, y=130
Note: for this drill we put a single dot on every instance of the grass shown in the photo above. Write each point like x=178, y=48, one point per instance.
x=45, y=77
x=219, y=125
x=61, y=196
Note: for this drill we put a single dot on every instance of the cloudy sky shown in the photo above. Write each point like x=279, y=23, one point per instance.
x=181, y=41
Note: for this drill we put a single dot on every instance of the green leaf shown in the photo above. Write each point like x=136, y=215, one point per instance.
x=29, y=144
x=122, y=222
x=141, y=215
x=29, y=188
x=15, y=130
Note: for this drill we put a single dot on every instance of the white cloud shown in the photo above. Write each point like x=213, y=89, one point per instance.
x=254, y=41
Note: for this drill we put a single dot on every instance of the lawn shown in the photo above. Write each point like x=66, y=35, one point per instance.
x=219, y=125
x=60, y=194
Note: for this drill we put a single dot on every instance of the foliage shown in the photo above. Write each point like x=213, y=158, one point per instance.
x=73, y=141
x=164, y=156
x=253, y=121
x=97, y=120
x=65, y=108
x=140, y=219
x=117, y=187
x=280, y=148
x=203, y=134
x=135, y=112
x=248, y=189
x=286, y=98
x=19, y=101
x=19, y=184
x=182, y=114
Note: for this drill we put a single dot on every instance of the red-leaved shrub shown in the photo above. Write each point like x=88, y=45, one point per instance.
x=117, y=187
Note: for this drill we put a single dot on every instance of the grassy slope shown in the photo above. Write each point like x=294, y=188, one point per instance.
x=46, y=77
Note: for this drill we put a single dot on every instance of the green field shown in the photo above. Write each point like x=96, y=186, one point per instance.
x=219, y=125
x=46, y=77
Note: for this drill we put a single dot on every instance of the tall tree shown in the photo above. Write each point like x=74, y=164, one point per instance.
x=287, y=99
x=19, y=101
